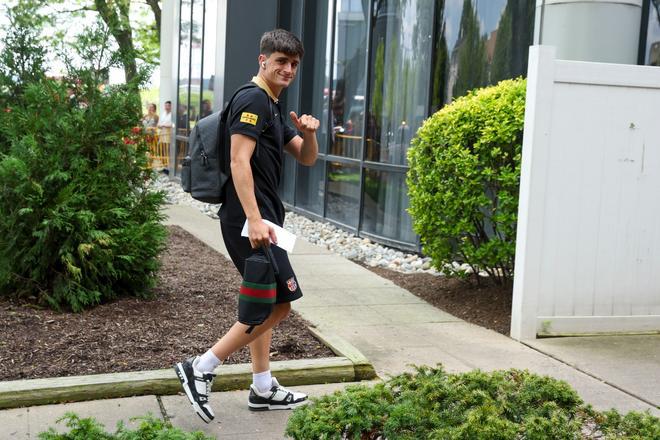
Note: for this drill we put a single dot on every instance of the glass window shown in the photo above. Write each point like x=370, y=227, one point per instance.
x=181, y=111
x=486, y=42
x=288, y=179
x=400, y=76
x=315, y=74
x=197, y=28
x=653, y=35
x=385, y=205
x=310, y=183
x=208, y=73
x=348, y=88
x=343, y=199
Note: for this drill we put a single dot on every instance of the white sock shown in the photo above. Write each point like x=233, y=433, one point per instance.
x=207, y=362
x=262, y=381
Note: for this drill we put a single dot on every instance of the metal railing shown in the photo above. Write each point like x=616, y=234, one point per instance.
x=158, y=143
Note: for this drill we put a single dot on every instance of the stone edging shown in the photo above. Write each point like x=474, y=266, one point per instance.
x=349, y=366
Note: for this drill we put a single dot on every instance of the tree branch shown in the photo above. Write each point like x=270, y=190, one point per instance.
x=155, y=8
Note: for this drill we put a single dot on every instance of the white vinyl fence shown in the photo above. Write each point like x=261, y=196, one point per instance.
x=588, y=241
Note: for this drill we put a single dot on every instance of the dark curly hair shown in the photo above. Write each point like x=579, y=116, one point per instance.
x=280, y=40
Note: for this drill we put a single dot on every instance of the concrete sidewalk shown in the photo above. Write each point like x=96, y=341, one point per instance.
x=394, y=329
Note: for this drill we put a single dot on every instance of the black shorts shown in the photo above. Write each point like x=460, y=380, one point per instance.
x=239, y=248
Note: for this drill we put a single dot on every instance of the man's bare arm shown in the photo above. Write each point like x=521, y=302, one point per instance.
x=305, y=149
x=242, y=148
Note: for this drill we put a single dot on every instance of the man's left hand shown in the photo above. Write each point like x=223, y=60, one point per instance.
x=305, y=123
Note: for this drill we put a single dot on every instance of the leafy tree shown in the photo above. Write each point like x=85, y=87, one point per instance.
x=24, y=57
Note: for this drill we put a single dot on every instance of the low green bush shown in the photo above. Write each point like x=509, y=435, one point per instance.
x=150, y=428
x=464, y=178
x=432, y=404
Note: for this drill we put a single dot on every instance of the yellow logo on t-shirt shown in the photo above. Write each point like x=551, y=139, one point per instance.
x=249, y=118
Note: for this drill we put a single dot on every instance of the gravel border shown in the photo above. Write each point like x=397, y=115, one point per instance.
x=324, y=234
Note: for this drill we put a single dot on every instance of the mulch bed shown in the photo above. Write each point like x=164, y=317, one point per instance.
x=485, y=305
x=195, y=304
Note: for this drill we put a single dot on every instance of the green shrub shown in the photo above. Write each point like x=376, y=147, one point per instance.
x=464, y=178
x=150, y=428
x=432, y=404
x=78, y=225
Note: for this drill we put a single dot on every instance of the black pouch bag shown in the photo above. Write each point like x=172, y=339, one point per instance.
x=258, y=289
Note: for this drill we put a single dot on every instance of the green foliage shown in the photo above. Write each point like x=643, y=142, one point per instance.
x=24, y=56
x=150, y=428
x=432, y=404
x=77, y=223
x=464, y=179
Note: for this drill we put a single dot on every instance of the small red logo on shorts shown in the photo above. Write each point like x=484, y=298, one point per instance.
x=291, y=284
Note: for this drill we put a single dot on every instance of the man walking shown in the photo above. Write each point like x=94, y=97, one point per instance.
x=259, y=137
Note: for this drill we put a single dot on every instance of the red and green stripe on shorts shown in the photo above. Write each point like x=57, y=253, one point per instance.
x=258, y=293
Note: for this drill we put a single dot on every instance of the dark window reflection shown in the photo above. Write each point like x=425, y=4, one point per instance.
x=400, y=76
x=209, y=49
x=181, y=110
x=653, y=35
x=288, y=178
x=486, y=42
x=196, y=63
x=385, y=204
x=310, y=184
x=315, y=75
x=343, y=196
x=348, y=88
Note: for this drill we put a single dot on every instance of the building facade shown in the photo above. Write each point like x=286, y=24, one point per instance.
x=373, y=71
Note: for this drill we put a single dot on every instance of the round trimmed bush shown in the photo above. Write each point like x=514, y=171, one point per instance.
x=464, y=179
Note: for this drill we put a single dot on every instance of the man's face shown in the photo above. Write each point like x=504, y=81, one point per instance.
x=280, y=68
x=168, y=107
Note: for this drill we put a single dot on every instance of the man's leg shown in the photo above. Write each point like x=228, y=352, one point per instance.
x=196, y=380
x=260, y=353
x=237, y=337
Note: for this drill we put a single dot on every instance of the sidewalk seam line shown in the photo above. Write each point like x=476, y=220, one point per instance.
x=162, y=409
x=593, y=376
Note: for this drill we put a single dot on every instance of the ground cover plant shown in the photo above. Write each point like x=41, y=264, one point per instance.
x=432, y=404
x=464, y=179
x=150, y=428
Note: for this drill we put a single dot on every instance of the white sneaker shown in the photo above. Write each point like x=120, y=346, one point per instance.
x=197, y=386
x=277, y=397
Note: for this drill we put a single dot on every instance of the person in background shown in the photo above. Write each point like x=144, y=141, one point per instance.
x=150, y=120
x=206, y=109
x=165, y=134
x=165, y=123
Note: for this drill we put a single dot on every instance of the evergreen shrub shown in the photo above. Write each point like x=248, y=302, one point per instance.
x=78, y=225
x=464, y=178
x=432, y=404
x=150, y=428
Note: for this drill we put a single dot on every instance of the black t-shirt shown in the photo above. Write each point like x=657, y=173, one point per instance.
x=251, y=111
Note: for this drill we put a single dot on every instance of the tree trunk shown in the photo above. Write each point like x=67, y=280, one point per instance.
x=155, y=8
x=115, y=16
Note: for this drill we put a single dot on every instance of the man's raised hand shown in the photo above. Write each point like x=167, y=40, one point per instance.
x=305, y=123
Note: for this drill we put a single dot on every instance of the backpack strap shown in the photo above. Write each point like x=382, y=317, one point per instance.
x=224, y=117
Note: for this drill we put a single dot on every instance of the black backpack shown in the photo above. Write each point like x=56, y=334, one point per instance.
x=205, y=169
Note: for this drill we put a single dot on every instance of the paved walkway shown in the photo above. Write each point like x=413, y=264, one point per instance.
x=394, y=329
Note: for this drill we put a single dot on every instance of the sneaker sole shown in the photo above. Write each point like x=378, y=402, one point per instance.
x=186, y=387
x=269, y=407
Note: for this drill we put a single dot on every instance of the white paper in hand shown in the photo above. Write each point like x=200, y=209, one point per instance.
x=285, y=239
